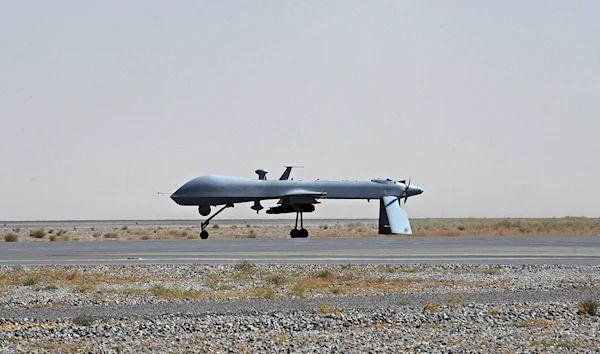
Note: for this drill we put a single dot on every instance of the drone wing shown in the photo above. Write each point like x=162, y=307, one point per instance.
x=301, y=196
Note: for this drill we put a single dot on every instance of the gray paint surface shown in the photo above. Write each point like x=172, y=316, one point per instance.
x=296, y=197
x=383, y=250
x=218, y=190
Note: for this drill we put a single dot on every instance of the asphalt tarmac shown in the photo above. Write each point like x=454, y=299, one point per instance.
x=381, y=250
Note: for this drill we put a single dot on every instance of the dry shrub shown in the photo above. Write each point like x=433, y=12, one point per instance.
x=589, y=306
x=244, y=266
x=298, y=290
x=454, y=302
x=431, y=306
x=84, y=319
x=263, y=292
x=324, y=273
x=11, y=237
x=323, y=309
x=38, y=233
x=277, y=279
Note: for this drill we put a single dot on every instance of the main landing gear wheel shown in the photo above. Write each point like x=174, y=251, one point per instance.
x=203, y=235
x=299, y=233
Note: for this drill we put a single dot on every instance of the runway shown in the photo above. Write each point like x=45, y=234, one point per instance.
x=384, y=250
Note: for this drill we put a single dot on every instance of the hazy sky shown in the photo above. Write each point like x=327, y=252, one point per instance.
x=493, y=107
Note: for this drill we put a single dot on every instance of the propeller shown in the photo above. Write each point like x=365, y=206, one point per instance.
x=405, y=193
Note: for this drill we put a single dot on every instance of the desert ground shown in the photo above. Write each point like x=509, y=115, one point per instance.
x=568, y=226
x=316, y=308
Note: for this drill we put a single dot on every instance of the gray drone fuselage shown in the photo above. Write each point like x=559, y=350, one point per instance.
x=296, y=197
x=218, y=190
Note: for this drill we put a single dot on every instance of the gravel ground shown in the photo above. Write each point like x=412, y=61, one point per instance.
x=258, y=309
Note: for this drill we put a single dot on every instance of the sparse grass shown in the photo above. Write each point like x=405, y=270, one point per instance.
x=84, y=319
x=244, y=266
x=37, y=233
x=292, y=282
x=495, y=313
x=51, y=287
x=31, y=280
x=388, y=268
x=402, y=302
x=263, y=292
x=53, y=238
x=277, y=279
x=588, y=306
x=408, y=270
x=324, y=273
x=146, y=237
x=111, y=235
x=338, y=290
x=298, y=290
x=134, y=291
x=567, y=226
x=323, y=309
x=535, y=322
x=217, y=285
x=11, y=237
x=562, y=343
x=454, y=302
x=176, y=293
x=431, y=306
x=492, y=271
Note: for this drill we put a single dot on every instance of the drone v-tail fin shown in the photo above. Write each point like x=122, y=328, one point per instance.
x=286, y=173
x=392, y=218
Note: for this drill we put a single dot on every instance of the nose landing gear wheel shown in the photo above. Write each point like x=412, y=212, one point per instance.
x=294, y=233
x=303, y=233
x=204, y=234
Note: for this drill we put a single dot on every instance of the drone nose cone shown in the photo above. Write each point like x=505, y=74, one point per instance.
x=175, y=197
x=179, y=195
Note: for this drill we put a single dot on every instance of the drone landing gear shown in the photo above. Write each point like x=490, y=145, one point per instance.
x=203, y=233
x=302, y=233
